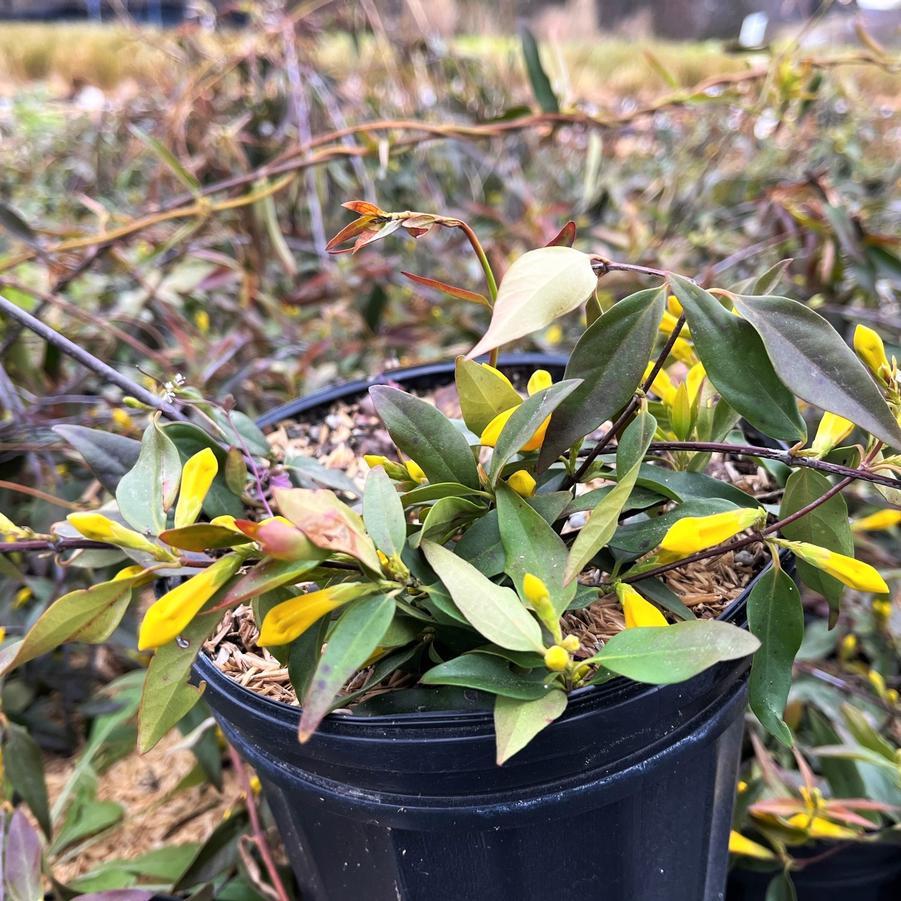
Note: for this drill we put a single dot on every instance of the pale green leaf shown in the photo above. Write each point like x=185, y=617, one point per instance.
x=517, y=722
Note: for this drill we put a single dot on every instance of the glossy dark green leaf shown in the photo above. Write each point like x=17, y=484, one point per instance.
x=356, y=635
x=827, y=526
x=524, y=422
x=532, y=546
x=661, y=655
x=426, y=435
x=776, y=618
x=737, y=363
x=483, y=394
x=610, y=359
x=24, y=765
x=816, y=364
x=109, y=456
x=149, y=488
x=541, y=84
x=383, y=513
x=517, y=722
x=487, y=672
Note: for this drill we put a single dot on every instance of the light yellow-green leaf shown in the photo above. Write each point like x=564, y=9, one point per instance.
x=517, y=722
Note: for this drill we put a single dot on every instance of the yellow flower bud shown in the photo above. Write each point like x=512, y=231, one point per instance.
x=853, y=573
x=255, y=785
x=871, y=350
x=290, y=619
x=694, y=380
x=2, y=634
x=819, y=827
x=522, y=483
x=738, y=844
x=196, y=479
x=637, y=611
x=831, y=431
x=415, y=471
x=373, y=460
x=202, y=321
x=494, y=428
x=891, y=695
x=556, y=659
x=877, y=680
x=684, y=352
x=535, y=590
x=662, y=385
x=849, y=645
x=695, y=533
x=742, y=786
x=882, y=609
x=570, y=643
x=166, y=619
x=673, y=305
x=121, y=418
x=9, y=530
x=878, y=521
x=22, y=597
x=538, y=381
x=97, y=527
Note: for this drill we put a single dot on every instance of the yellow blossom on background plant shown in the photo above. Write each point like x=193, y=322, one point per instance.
x=878, y=521
x=662, y=385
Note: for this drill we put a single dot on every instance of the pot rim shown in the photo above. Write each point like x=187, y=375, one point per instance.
x=619, y=688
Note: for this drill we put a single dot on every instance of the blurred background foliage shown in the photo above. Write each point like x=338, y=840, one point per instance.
x=165, y=199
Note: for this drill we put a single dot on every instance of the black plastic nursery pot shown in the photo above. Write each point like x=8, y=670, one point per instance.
x=852, y=870
x=627, y=797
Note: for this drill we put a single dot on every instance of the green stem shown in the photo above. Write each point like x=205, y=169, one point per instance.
x=490, y=280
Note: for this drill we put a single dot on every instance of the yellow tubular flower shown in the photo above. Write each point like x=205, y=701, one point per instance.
x=831, y=431
x=167, y=618
x=738, y=844
x=662, y=385
x=673, y=305
x=871, y=350
x=695, y=533
x=684, y=352
x=522, y=483
x=694, y=380
x=638, y=612
x=98, y=527
x=878, y=521
x=416, y=472
x=819, y=827
x=196, y=479
x=290, y=619
x=538, y=381
x=853, y=573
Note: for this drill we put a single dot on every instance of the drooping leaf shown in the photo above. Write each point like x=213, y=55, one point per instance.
x=21, y=876
x=383, y=513
x=538, y=288
x=765, y=283
x=24, y=767
x=425, y=435
x=776, y=618
x=864, y=733
x=826, y=526
x=109, y=456
x=666, y=654
x=494, y=611
x=483, y=394
x=517, y=722
x=148, y=489
x=541, y=84
x=610, y=359
x=449, y=290
x=565, y=237
x=355, y=636
x=603, y=520
x=524, y=422
x=816, y=364
x=737, y=363
x=532, y=546
x=781, y=888
x=488, y=672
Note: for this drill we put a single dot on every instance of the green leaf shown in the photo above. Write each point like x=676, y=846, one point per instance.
x=447, y=516
x=74, y=612
x=827, y=526
x=610, y=359
x=356, y=635
x=864, y=734
x=843, y=776
x=23, y=762
x=304, y=654
x=541, y=84
x=483, y=394
x=604, y=519
x=487, y=672
x=202, y=536
x=218, y=854
x=168, y=159
x=108, y=456
x=517, y=722
x=524, y=422
x=776, y=617
x=494, y=611
x=538, y=288
x=816, y=364
x=423, y=494
x=481, y=545
x=532, y=546
x=239, y=429
x=661, y=655
x=660, y=593
x=266, y=575
x=84, y=818
x=426, y=435
x=781, y=888
x=149, y=488
x=167, y=696
x=860, y=754
x=737, y=363
x=765, y=283
x=383, y=513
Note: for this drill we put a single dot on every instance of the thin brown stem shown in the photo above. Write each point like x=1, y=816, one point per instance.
x=256, y=825
x=41, y=495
